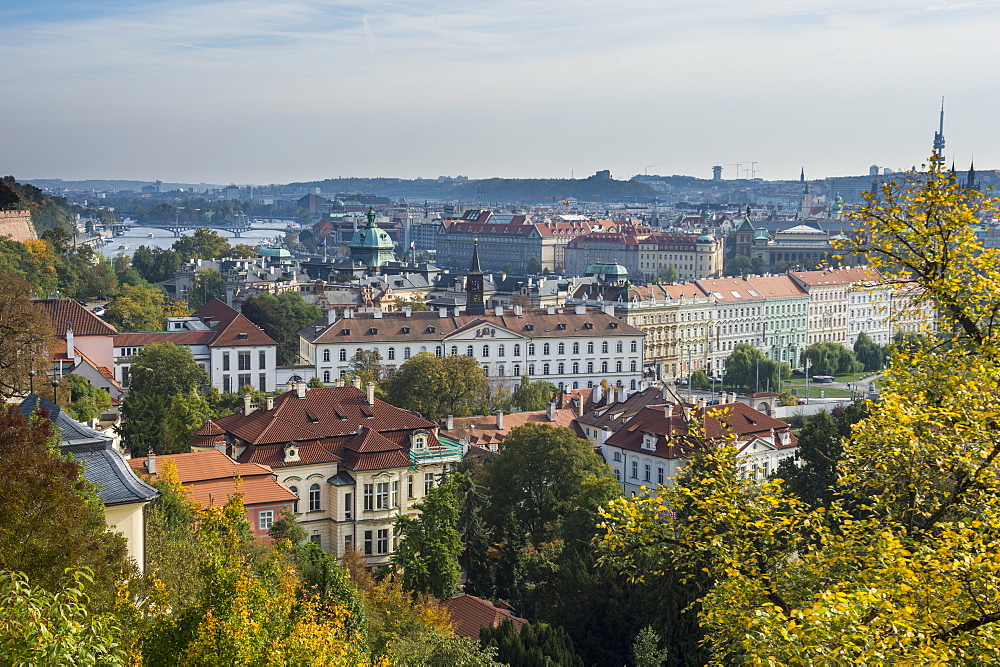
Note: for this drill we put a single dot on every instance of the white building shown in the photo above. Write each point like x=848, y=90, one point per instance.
x=572, y=347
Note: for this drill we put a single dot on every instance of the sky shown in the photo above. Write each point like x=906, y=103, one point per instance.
x=274, y=91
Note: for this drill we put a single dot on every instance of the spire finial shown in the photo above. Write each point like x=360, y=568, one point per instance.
x=474, y=267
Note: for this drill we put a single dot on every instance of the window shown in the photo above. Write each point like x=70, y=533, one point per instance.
x=348, y=506
x=561, y=368
x=317, y=539
x=395, y=493
x=226, y=382
x=632, y=366
x=470, y=351
x=438, y=351
x=617, y=456
x=264, y=519
x=576, y=366
x=262, y=382
x=454, y=350
x=618, y=367
x=500, y=350
x=314, y=498
x=343, y=354
x=635, y=470
x=262, y=360
x=382, y=496
x=531, y=369
x=590, y=348
x=604, y=367
x=348, y=542
x=369, y=497
x=406, y=353
x=428, y=482
x=244, y=361
x=517, y=370
x=369, y=546
x=545, y=369
x=576, y=348
x=648, y=470
x=244, y=378
x=659, y=475
x=295, y=505
x=391, y=354
x=383, y=541
x=500, y=370
x=531, y=349
x=486, y=351
x=545, y=349
x=225, y=361
x=517, y=349
x=618, y=475
x=562, y=348
x=326, y=377
x=604, y=347
x=634, y=346
x=590, y=366
x=618, y=347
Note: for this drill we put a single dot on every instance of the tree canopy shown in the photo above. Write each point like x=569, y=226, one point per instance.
x=26, y=333
x=281, y=317
x=438, y=386
x=748, y=368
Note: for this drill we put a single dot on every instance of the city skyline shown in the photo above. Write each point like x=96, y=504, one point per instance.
x=246, y=91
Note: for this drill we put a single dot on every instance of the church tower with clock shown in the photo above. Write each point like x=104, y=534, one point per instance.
x=474, y=287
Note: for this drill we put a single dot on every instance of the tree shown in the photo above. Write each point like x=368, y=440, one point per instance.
x=137, y=308
x=324, y=577
x=26, y=333
x=281, y=317
x=531, y=645
x=533, y=396
x=430, y=546
x=871, y=355
x=534, y=266
x=829, y=358
x=699, y=380
x=748, y=368
x=53, y=522
x=287, y=527
x=156, y=264
x=437, y=386
x=474, y=559
x=367, y=365
x=907, y=575
x=208, y=284
x=202, y=244
x=163, y=405
x=646, y=651
x=83, y=401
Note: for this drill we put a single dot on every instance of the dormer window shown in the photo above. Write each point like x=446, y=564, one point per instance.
x=406, y=330
x=588, y=325
x=561, y=325
x=345, y=332
x=431, y=329
x=613, y=325
x=242, y=335
x=373, y=330
x=529, y=327
x=291, y=450
x=649, y=441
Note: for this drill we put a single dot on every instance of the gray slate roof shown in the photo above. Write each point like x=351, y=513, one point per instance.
x=104, y=466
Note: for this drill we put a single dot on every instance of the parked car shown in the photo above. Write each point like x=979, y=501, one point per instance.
x=823, y=379
x=99, y=311
x=798, y=371
x=800, y=401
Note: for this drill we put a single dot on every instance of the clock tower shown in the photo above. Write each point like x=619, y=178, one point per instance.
x=474, y=289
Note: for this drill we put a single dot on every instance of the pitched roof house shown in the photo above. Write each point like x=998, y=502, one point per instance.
x=470, y=614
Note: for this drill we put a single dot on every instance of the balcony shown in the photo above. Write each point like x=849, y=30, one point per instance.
x=448, y=451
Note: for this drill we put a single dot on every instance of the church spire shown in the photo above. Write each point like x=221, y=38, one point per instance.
x=971, y=180
x=802, y=175
x=939, y=135
x=475, y=302
x=474, y=267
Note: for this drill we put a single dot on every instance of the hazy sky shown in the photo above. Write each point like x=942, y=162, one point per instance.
x=271, y=91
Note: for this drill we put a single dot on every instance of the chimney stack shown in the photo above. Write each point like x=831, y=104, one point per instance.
x=370, y=393
x=449, y=422
x=331, y=316
x=151, y=462
x=377, y=314
x=70, y=345
x=498, y=311
x=221, y=446
x=596, y=394
x=247, y=409
x=357, y=382
x=579, y=406
x=270, y=402
x=550, y=410
x=300, y=389
x=442, y=312
x=499, y=420
x=407, y=311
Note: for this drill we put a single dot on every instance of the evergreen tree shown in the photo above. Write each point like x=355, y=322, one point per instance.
x=430, y=545
x=534, y=646
x=646, y=651
x=475, y=560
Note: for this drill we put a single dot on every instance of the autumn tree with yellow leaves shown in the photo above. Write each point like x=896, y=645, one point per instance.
x=903, y=564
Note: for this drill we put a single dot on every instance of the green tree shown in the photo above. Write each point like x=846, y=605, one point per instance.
x=163, y=383
x=871, y=355
x=699, y=380
x=323, y=576
x=532, y=396
x=749, y=369
x=430, y=546
x=287, y=527
x=367, y=365
x=475, y=559
x=208, y=284
x=531, y=646
x=202, y=244
x=156, y=264
x=281, y=317
x=438, y=386
x=83, y=401
x=829, y=358
x=646, y=651
x=137, y=308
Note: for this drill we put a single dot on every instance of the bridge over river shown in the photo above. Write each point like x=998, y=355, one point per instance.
x=236, y=227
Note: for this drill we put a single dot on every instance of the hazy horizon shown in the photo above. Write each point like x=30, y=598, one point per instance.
x=248, y=91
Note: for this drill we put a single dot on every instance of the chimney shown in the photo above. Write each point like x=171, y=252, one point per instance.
x=609, y=310
x=722, y=397
x=517, y=311
x=581, y=310
x=70, y=346
x=732, y=397
x=221, y=446
x=348, y=314
x=701, y=403
x=370, y=393
x=550, y=410
x=339, y=382
x=357, y=382
x=458, y=311
x=407, y=311
x=498, y=311
x=270, y=402
x=300, y=389
x=550, y=310
x=247, y=409
x=449, y=422
x=596, y=394
x=668, y=410
x=377, y=313
x=579, y=406
x=331, y=316
x=151, y=463
x=499, y=420
x=290, y=385
x=442, y=312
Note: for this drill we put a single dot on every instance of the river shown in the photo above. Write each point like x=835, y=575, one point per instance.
x=137, y=236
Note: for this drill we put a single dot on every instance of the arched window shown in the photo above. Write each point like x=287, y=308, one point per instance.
x=590, y=366
x=531, y=349
x=343, y=354
x=561, y=368
x=470, y=351
x=406, y=353
x=295, y=504
x=576, y=366
x=562, y=385
x=632, y=366
x=618, y=367
x=562, y=348
x=326, y=355
x=632, y=385
x=618, y=347
x=517, y=349
x=500, y=350
x=438, y=351
x=545, y=349
x=517, y=370
x=590, y=384
x=423, y=348
x=634, y=346
x=604, y=347
x=392, y=353
x=531, y=369
x=576, y=348
x=590, y=347
x=576, y=385
x=326, y=377
x=486, y=351
x=545, y=369
x=604, y=367
x=314, y=498
x=454, y=350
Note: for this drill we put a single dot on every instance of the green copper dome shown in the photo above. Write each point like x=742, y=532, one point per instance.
x=370, y=245
x=707, y=238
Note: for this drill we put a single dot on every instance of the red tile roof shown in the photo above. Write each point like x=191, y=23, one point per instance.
x=85, y=323
x=470, y=613
x=483, y=431
x=231, y=326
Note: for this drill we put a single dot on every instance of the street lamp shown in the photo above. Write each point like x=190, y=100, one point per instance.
x=31, y=379
x=55, y=392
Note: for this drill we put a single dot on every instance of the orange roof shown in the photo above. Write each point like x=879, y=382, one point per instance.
x=483, y=431
x=776, y=286
x=846, y=276
x=232, y=326
x=202, y=466
x=470, y=613
x=84, y=322
x=255, y=490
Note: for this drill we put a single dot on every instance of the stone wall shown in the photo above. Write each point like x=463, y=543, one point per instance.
x=17, y=225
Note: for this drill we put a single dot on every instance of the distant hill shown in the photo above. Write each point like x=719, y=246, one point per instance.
x=530, y=190
x=112, y=185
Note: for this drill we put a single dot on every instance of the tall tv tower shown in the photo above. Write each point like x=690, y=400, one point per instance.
x=939, y=135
